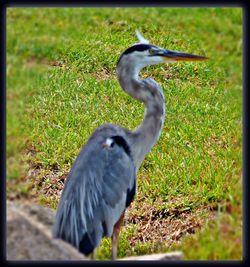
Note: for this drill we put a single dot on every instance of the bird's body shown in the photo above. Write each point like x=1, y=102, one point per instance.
x=102, y=181
x=107, y=186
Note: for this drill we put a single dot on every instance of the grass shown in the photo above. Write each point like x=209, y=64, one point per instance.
x=61, y=85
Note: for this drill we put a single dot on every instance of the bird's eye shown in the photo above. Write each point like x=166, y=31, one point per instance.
x=151, y=51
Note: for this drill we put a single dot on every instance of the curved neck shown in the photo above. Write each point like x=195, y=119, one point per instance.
x=149, y=92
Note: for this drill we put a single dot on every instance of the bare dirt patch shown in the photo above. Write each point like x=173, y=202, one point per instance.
x=104, y=74
x=154, y=225
x=165, y=226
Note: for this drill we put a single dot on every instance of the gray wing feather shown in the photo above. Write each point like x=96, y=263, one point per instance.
x=94, y=195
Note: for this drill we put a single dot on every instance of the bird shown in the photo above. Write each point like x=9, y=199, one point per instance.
x=101, y=183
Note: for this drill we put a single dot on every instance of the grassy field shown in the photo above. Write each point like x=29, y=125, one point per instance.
x=62, y=85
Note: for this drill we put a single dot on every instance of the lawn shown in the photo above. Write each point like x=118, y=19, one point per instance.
x=62, y=85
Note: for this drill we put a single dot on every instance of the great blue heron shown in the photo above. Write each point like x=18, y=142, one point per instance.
x=102, y=181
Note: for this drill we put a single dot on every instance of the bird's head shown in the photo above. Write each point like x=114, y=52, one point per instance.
x=144, y=54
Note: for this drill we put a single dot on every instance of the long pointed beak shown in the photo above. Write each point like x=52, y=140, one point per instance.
x=168, y=55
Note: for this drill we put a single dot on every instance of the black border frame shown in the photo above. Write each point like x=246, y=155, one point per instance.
x=145, y=3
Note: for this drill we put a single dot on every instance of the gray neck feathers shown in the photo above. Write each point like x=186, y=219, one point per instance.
x=150, y=93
